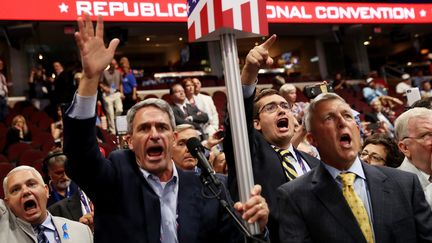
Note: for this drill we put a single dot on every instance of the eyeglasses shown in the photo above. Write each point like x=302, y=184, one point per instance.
x=272, y=107
x=374, y=157
x=424, y=138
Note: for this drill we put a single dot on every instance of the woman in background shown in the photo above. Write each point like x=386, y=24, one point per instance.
x=380, y=149
x=17, y=133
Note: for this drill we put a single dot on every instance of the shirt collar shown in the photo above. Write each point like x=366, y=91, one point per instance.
x=355, y=168
x=149, y=176
x=181, y=105
x=48, y=223
x=291, y=149
x=426, y=176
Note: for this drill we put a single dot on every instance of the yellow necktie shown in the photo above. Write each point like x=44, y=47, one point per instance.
x=287, y=163
x=356, y=205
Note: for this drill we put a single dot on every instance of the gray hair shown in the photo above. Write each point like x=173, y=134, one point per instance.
x=182, y=127
x=286, y=88
x=158, y=103
x=55, y=157
x=21, y=168
x=401, y=123
x=310, y=109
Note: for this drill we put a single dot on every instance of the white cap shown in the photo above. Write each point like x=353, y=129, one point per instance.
x=405, y=76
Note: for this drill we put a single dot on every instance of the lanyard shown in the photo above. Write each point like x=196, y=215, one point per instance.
x=300, y=161
x=85, y=201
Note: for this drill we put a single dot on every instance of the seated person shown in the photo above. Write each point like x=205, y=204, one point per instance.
x=426, y=90
x=60, y=185
x=373, y=91
x=339, y=82
x=17, y=133
x=184, y=112
x=57, y=128
x=378, y=114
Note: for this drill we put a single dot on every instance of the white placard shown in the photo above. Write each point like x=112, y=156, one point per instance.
x=121, y=125
x=412, y=94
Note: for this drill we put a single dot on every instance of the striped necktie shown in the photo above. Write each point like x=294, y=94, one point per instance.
x=185, y=111
x=41, y=237
x=288, y=161
x=356, y=205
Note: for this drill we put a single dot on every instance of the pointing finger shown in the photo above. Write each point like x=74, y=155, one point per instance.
x=269, y=42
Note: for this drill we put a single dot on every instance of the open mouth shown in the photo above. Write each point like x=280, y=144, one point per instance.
x=282, y=123
x=345, y=140
x=155, y=151
x=29, y=205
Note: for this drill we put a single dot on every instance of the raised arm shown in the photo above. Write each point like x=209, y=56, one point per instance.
x=95, y=57
x=256, y=59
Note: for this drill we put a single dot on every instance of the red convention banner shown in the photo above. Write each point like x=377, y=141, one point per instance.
x=176, y=11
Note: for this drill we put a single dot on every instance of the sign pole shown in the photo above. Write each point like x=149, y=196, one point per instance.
x=237, y=117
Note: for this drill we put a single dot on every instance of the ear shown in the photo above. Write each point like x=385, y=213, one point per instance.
x=311, y=139
x=175, y=137
x=257, y=124
x=404, y=149
x=46, y=190
x=128, y=139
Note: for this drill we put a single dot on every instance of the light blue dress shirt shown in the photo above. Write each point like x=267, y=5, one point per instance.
x=248, y=90
x=360, y=185
x=167, y=193
x=82, y=107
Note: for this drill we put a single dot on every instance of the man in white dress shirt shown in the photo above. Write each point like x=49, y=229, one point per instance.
x=205, y=103
x=414, y=136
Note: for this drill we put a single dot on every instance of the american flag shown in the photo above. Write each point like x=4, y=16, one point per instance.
x=207, y=16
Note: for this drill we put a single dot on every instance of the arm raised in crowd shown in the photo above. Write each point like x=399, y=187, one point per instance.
x=95, y=57
x=256, y=59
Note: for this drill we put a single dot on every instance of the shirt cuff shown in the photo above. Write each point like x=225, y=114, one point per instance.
x=82, y=107
x=248, y=90
x=265, y=236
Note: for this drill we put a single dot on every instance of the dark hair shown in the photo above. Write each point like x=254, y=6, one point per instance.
x=263, y=93
x=394, y=156
x=425, y=102
x=171, y=89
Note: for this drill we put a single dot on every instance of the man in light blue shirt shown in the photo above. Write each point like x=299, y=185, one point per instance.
x=138, y=193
